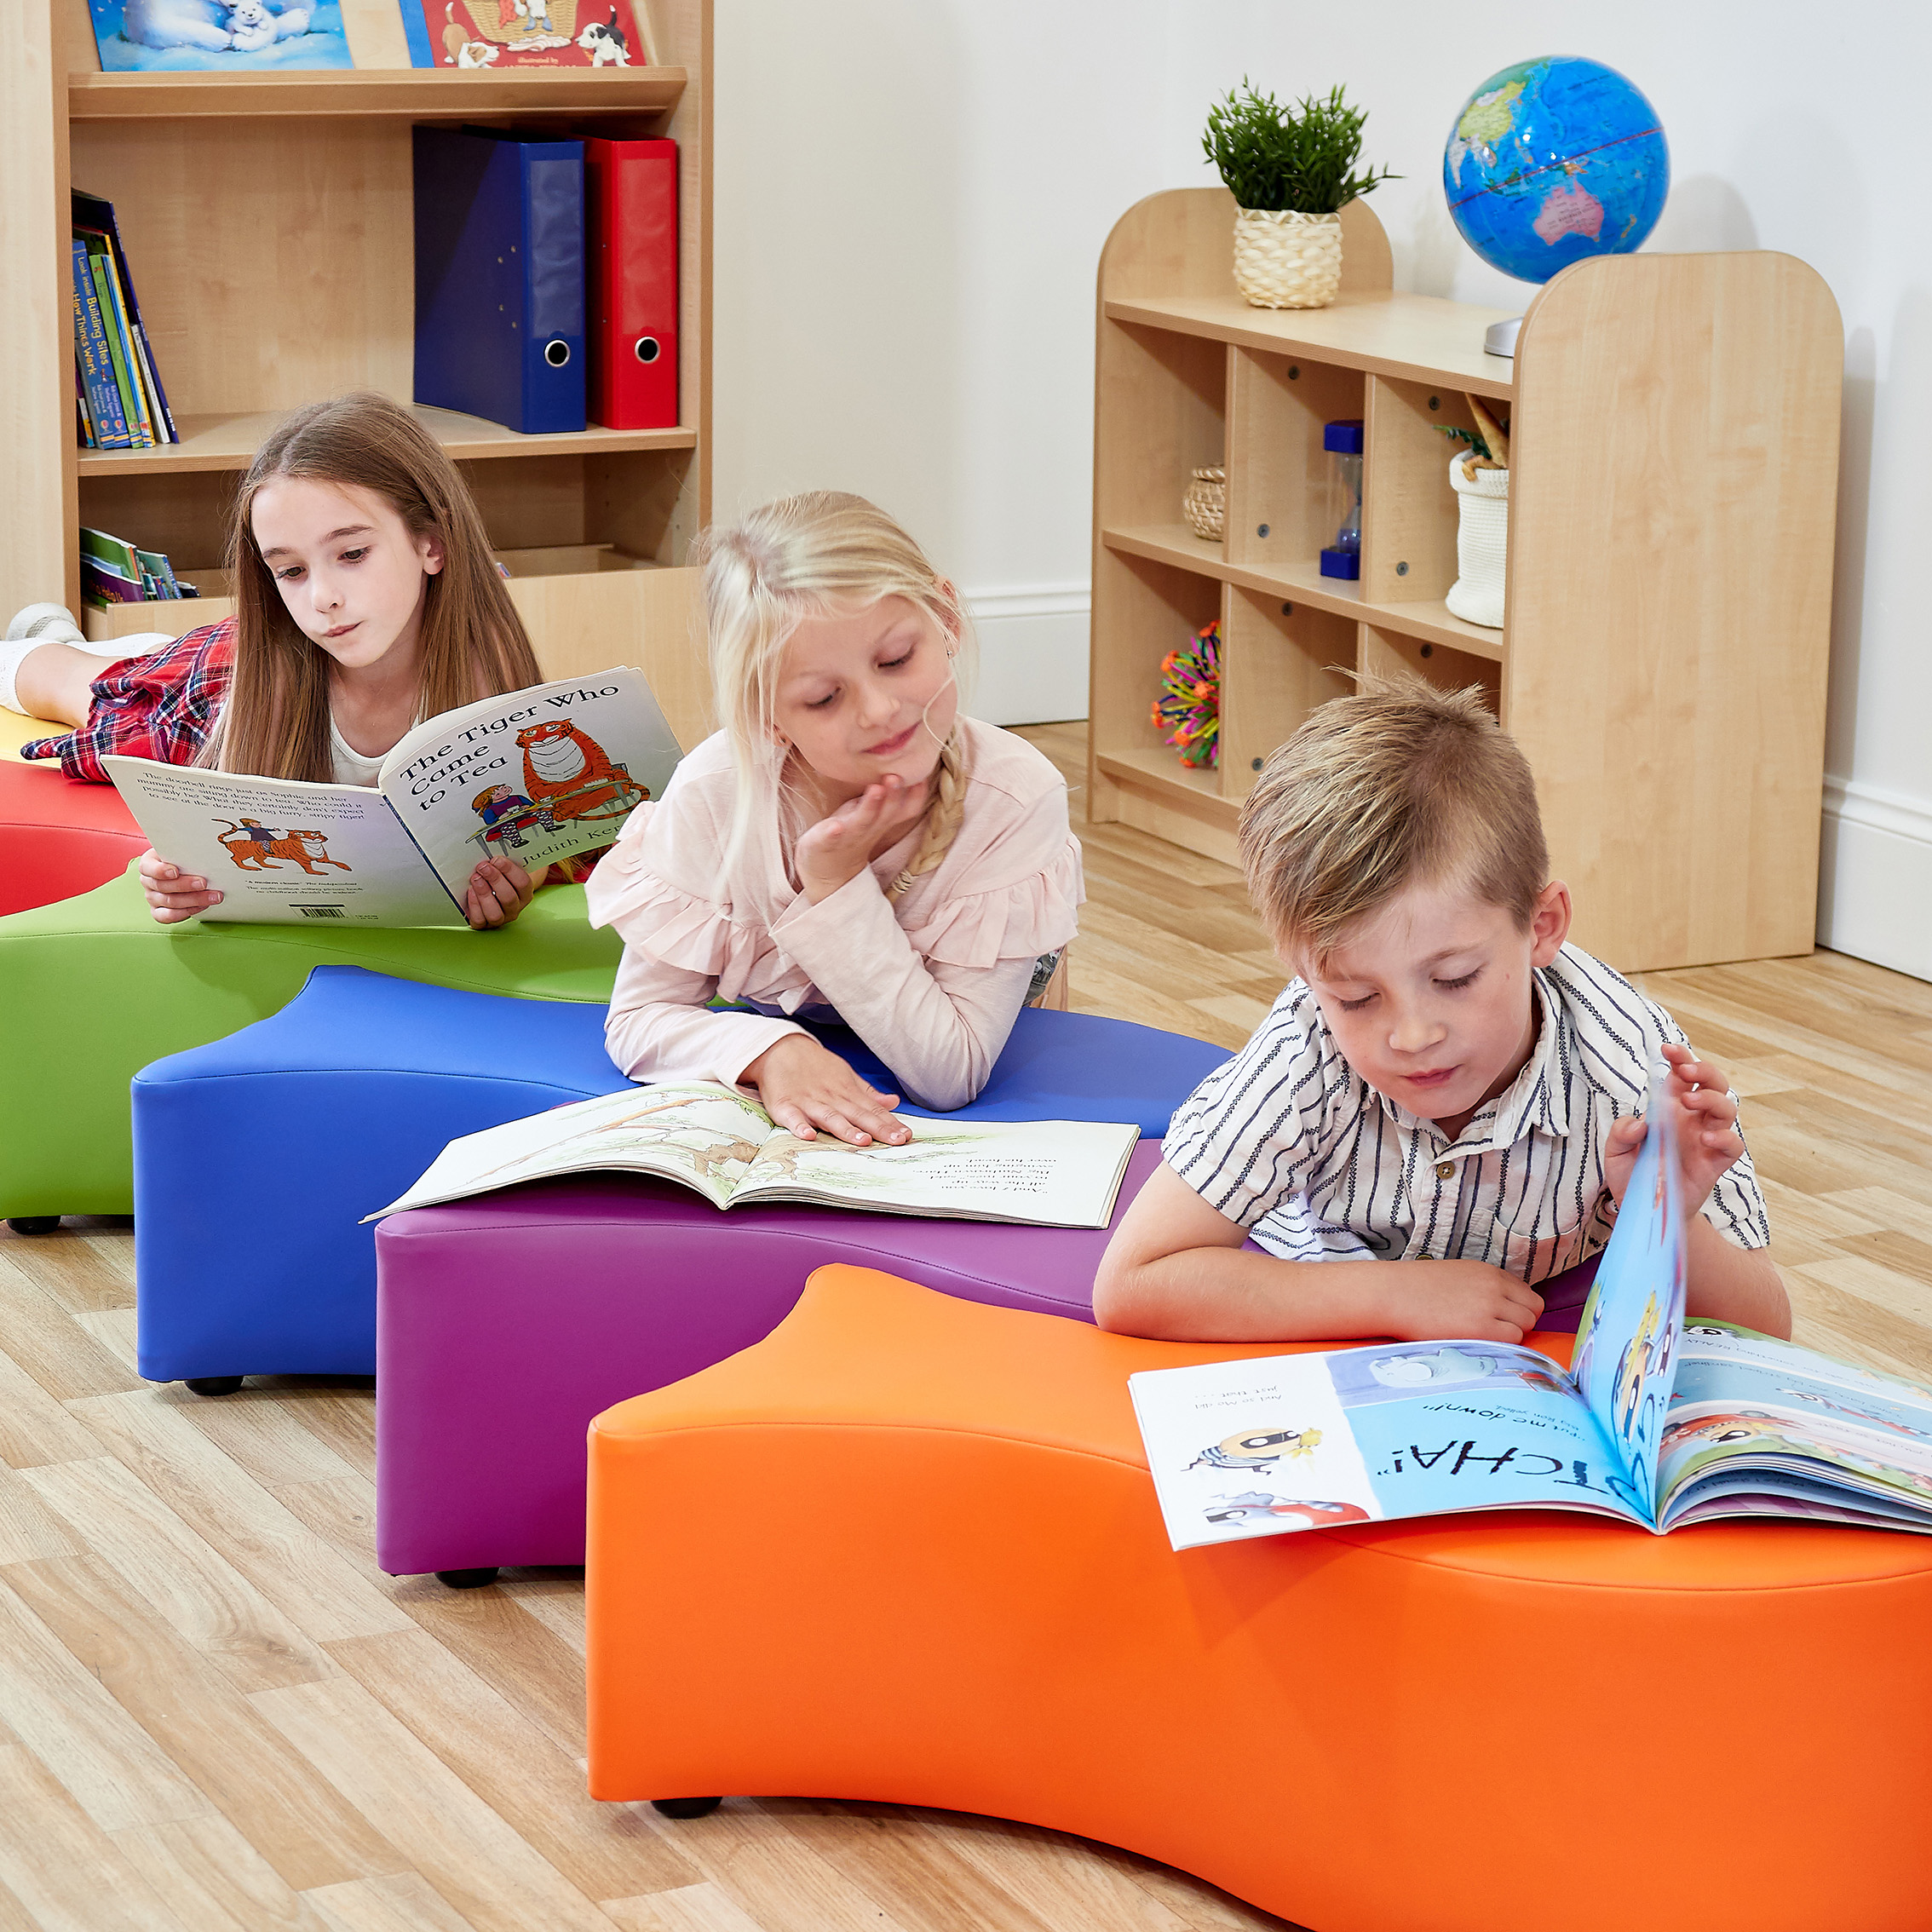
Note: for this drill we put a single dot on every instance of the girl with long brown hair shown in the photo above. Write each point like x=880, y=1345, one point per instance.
x=848, y=846
x=365, y=600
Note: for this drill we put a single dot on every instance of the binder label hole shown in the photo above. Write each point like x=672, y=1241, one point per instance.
x=556, y=351
x=648, y=348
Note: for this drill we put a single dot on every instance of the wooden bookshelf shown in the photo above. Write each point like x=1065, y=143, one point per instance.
x=268, y=222
x=229, y=442
x=1672, y=514
x=419, y=93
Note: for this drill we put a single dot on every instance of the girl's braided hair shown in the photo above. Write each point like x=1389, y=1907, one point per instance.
x=822, y=552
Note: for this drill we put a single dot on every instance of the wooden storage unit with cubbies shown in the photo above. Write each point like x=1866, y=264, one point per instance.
x=270, y=224
x=1674, y=426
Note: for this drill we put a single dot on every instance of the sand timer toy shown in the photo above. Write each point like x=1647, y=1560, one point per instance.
x=1343, y=442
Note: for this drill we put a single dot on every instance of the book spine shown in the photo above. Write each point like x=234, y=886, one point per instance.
x=416, y=32
x=403, y=826
x=137, y=390
x=83, y=419
x=103, y=398
x=131, y=418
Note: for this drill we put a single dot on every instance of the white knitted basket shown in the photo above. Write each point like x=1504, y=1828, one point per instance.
x=1283, y=260
x=1482, y=543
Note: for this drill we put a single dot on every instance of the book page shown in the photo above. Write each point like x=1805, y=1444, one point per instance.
x=696, y=1132
x=282, y=851
x=721, y=1142
x=1045, y=1173
x=532, y=776
x=1627, y=1337
x=1750, y=1412
x=1400, y=1429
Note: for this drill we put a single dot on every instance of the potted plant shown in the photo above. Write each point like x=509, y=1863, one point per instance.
x=1290, y=172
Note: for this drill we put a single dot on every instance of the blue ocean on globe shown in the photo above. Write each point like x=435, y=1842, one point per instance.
x=1553, y=160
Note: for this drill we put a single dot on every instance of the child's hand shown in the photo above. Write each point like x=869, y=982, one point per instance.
x=805, y=1087
x=1449, y=1301
x=835, y=851
x=1708, y=1140
x=498, y=889
x=172, y=896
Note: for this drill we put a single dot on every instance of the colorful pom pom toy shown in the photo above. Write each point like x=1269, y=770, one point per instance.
x=1187, y=712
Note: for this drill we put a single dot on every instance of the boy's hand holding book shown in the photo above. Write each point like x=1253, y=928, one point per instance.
x=1697, y=1092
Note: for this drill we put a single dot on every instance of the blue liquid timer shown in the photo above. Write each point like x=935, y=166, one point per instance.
x=1343, y=442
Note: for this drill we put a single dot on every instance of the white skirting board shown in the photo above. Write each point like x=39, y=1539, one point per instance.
x=1033, y=652
x=1875, y=876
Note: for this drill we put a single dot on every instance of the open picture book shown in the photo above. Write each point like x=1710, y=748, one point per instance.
x=723, y=1145
x=534, y=776
x=1656, y=1423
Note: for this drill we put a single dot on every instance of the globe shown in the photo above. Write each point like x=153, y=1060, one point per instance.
x=1553, y=160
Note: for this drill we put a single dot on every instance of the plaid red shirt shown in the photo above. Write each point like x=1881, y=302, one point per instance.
x=162, y=706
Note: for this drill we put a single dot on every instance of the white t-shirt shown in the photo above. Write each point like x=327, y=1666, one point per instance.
x=351, y=768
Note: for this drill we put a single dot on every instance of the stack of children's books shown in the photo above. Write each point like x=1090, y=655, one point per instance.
x=118, y=390
x=113, y=572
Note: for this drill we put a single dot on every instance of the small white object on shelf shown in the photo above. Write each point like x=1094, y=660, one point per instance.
x=1482, y=541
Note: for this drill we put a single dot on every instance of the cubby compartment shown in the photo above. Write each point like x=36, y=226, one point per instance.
x=1279, y=501
x=1408, y=507
x=1164, y=399
x=1441, y=664
x=1158, y=609
x=1280, y=658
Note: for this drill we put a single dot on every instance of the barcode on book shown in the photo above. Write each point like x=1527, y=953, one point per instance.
x=321, y=912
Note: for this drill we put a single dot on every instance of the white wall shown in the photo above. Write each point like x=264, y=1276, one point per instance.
x=910, y=203
x=912, y=200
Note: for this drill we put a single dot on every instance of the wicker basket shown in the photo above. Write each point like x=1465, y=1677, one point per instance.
x=1283, y=260
x=1205, y=503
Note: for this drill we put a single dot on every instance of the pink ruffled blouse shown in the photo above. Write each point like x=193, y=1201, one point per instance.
x=932, y=984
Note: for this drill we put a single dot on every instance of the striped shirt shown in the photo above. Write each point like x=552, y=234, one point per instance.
x=1289, y=1141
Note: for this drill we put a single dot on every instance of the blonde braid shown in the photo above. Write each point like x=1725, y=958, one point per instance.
x=943, y=816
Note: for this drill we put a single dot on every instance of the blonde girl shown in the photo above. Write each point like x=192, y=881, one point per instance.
x=365, y=600
x=848, y=846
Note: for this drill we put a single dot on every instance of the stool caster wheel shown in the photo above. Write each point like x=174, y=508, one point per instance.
x=212, y=1385
x=33, y=1223
x=686, y=1807
x=467, y=1580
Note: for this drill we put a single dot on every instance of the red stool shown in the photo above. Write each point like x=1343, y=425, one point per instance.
x=59, y=837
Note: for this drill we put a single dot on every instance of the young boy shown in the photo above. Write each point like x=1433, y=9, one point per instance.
x=1446, y=1098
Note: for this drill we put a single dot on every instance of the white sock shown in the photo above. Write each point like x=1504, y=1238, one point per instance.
x=11, y=653
x=51, y=623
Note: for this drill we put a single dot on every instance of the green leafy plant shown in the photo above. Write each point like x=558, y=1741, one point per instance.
x=1469, y=436
x=1279, y=157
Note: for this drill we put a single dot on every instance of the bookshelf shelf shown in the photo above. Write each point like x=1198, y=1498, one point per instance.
x=269, y=227
x=1669, y=595
x=1176, y=543
x=229, y=443
x=418, y=94
x=1385, y=333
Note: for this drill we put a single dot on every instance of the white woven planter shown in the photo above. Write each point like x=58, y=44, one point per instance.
x=1482, y=543
x=1283, y=260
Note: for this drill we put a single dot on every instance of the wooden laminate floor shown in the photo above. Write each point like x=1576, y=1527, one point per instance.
x=217, y=1712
